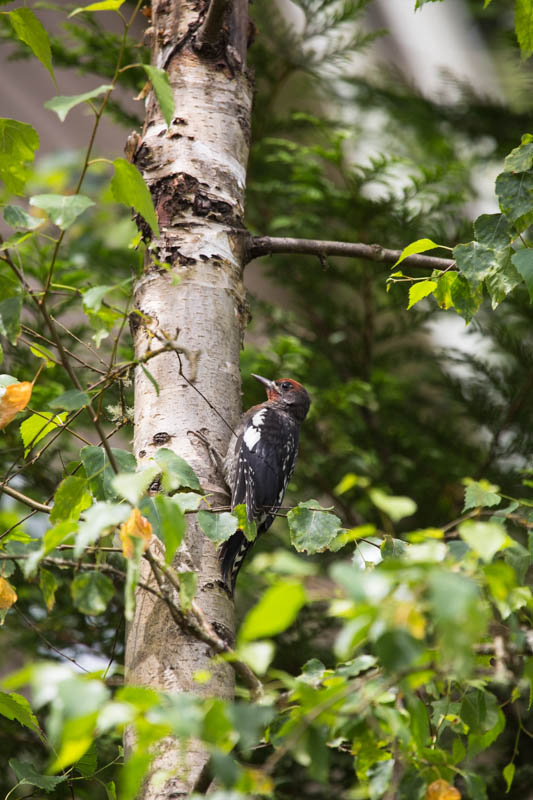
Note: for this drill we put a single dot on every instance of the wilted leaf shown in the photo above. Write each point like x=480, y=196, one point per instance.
x=91, y=592
x=442, y=790
x=135, y=526
x=8, y=595
x=13, y=398
x=277, y=609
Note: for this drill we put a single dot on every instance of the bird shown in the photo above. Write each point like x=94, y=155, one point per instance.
x=259, y=463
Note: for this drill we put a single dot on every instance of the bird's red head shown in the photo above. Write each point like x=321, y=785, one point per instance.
x=287, y=394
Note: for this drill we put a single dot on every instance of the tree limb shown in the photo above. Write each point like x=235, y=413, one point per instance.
x=267, y=245
x=210, y=30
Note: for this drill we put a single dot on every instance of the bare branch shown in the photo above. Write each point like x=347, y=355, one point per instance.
x=22, y=498
x=267, y=245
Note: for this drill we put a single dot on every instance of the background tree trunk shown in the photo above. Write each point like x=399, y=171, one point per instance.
x=196, y=172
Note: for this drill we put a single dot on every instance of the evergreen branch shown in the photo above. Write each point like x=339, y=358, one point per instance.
x=268, y=245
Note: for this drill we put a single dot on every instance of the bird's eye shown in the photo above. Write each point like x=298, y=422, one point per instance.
x=285, y=385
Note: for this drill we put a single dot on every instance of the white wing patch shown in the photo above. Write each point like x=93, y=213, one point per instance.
x=252, y=433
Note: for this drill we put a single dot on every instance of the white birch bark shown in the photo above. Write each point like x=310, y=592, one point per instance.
x=196, y=171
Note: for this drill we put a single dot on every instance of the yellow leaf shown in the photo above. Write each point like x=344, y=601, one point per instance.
x=135, y=525
x=8, y=595
x=442, y=790
x=13, y=398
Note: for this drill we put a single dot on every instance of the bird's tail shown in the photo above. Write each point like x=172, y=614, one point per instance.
x=231, y=556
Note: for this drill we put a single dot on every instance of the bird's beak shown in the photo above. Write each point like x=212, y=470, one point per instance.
x=270, y=386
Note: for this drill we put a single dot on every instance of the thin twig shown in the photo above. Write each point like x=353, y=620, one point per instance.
x=267, y=245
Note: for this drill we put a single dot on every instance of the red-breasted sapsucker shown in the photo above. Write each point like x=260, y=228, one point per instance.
x=260, y=462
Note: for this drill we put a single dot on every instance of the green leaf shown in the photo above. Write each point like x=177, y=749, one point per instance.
x=443, y=292
x=217, y=527
x=420, y=246
x=63, y=104
x=466, y=300
x=521, y=158
x=18, y=143
x=187, y=501
x=523, y=20
x=419, y=290
x=51, y=539
x=133, y=573
x=515, y=195
x=103, y=5
x=39, y=425
x=62, y=209
x=15, y=707
x=312, y=528
x=248, y=528
x=132, y=485
x=508, y=775
x=397, y=649
x=40, y=351
x=48, y=585
x=482, y=494
x=476, y=261
x=71, y=498
x=99, y=471
x=163, y=91
x=172, y=524
x=88, y=764
x=98, y=518
x=27, y=774
x=150, y=378
x=72, y=400
x=92, y=298
x=128, y=187
x=176, y=471
x=91, y=592
x=493, y=230
x=523, y=261
x=275, y=612
x=396, y=507
x=188, y=583
x=30, y=31
x=10, y=318
x=484, y=538
x=18, y=217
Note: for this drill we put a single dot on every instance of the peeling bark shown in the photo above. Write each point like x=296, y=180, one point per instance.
x=196, y=171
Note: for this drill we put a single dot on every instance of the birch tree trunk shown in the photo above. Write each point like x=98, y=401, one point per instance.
x=196, y=172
